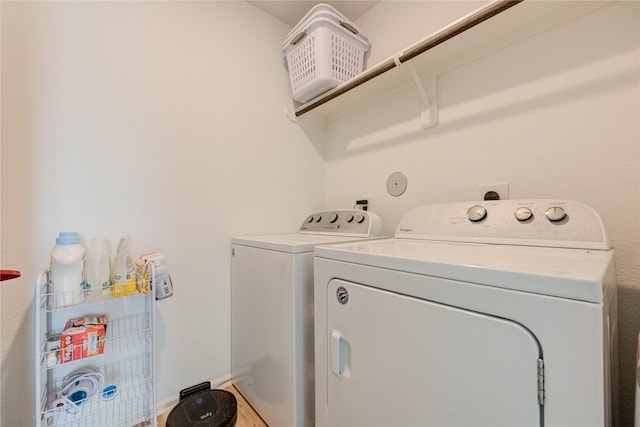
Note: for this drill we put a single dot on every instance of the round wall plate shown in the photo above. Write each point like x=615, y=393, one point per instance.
x=396, y=184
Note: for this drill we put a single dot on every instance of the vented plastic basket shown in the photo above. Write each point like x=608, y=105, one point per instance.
x=322, y=51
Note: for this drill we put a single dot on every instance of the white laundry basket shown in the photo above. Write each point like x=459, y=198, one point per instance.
x=322, y=51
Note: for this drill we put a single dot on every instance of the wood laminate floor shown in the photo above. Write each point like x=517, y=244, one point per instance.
x=247, y=417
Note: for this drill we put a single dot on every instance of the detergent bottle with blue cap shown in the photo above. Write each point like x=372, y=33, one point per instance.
x=67, y=277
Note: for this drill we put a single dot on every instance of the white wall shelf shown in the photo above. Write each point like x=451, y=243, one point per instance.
x=495, y=26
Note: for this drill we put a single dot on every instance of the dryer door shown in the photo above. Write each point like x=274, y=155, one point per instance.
x=395, y=360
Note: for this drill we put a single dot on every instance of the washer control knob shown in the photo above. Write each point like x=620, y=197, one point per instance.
x=310, y=219
x=476, y=213
x=523, y=214
x=318, y=218
x=359, y=218
x=349, y=218
x=555, y=214
x=333, y=217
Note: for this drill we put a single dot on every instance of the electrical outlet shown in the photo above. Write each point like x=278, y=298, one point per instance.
x=501, y=189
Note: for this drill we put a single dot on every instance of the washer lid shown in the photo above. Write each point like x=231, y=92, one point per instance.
x=318, y=229
x=291, y=243
x=568, y=273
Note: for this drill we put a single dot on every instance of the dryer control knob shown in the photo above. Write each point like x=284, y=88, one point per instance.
x=555, y=213
x=333, y=217
x=310, y=219
x=359, y=218
x=349, y=218
x=523, y=214
x=318, y=218
x=476, y=213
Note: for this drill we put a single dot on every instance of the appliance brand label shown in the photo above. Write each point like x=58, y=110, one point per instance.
x=342, y=295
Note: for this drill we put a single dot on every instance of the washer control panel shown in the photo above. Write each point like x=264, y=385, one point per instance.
x=348, y=222
x=553, y=223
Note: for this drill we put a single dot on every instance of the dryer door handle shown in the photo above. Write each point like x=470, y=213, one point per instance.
x=338, y=353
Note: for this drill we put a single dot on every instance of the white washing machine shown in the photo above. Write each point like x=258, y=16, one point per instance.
x=272, y=313
x=497, y=313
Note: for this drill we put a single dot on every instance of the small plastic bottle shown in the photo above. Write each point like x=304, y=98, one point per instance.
x=98, y=277
x=67, y=271
x=124, y=271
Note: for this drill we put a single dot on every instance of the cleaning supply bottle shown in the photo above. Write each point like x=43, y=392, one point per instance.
x=124, y=271
x=98, y=276
x=157, y=270
x=67, y=271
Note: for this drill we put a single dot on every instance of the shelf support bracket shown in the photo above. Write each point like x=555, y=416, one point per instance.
x=289, y=114
x=429, y=111
x=310, y=119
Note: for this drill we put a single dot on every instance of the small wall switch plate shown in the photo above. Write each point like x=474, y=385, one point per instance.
x=501, y=189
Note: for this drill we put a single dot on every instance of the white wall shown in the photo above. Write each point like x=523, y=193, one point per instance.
x=163, y=119
x=392, y=26
x=555, y=116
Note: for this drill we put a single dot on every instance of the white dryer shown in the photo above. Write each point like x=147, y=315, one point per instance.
x=498, y=313
x=272, y=313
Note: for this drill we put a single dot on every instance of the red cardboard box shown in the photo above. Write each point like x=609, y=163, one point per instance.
x=82, y=337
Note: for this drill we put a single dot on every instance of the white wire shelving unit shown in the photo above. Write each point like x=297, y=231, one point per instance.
x=127, y=362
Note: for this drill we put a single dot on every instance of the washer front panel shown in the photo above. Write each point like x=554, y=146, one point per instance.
x=271, y=334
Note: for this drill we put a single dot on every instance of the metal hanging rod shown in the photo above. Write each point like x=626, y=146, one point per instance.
x=439, y=38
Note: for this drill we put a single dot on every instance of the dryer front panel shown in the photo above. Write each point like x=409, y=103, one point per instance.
x=395, y=360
